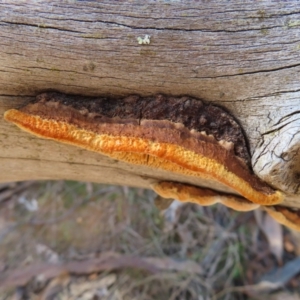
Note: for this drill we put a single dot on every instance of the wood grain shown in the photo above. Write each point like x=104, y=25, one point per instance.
x=242, y=56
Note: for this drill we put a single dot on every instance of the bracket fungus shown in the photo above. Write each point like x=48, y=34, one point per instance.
x=285, y=216
x=202, y=196
x=177, y=134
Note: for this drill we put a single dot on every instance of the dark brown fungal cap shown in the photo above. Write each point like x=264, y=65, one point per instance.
x=193, y=114
x=123, y=116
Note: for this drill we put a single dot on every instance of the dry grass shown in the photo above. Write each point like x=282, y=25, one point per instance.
x=81, y=220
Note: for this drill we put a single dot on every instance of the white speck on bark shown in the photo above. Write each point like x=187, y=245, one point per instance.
x=145, y=40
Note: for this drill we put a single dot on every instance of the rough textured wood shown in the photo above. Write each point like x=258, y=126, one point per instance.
x=242, y=56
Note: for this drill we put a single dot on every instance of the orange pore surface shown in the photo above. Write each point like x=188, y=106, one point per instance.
x=284, y=216
x=202, y=196
x=165, y=156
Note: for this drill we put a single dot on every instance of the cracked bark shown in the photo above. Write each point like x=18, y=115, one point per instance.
x=244, y=58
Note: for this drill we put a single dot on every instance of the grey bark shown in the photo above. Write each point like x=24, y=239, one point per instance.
x=242, y=56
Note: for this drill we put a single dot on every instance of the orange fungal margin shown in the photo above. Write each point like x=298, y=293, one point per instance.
x=137, y=150
x=202, y=196
x=284, y=216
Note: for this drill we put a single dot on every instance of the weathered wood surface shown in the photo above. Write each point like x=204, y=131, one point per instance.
x=242, y=56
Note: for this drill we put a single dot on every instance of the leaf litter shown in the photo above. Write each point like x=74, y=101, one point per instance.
x=92, y=241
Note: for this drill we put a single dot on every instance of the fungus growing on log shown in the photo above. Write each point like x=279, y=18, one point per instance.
x=202, y=196
x=186, y=193
x=181, y=135
x=285, y=216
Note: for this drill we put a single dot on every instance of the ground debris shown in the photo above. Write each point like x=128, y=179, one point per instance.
x=90, y=241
